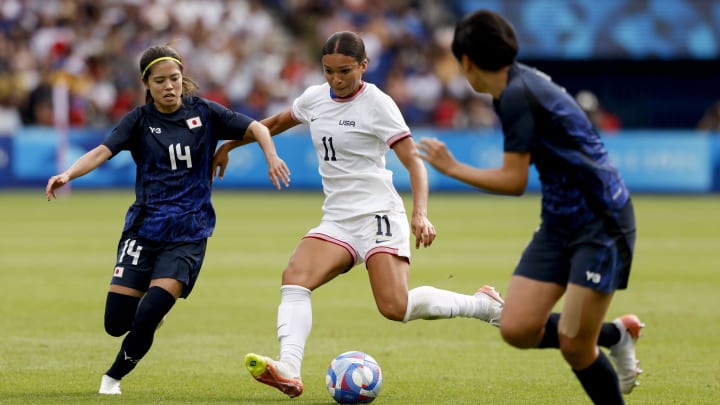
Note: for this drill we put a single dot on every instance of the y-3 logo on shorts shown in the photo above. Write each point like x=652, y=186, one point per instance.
x=592, y=276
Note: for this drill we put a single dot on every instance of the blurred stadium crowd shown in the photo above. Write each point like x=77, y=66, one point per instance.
x=256, y=56
x=253, y=56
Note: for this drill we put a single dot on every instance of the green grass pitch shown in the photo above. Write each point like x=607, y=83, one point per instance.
x=56, y=260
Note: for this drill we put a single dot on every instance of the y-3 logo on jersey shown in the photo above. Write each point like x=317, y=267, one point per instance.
x=155, y=130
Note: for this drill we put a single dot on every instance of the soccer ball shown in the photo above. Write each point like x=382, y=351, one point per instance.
x=354, y=378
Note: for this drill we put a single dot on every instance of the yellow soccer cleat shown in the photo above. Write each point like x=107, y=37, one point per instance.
x=274, y=373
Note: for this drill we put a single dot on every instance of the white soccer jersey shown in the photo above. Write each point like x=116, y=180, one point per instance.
x=351, y=137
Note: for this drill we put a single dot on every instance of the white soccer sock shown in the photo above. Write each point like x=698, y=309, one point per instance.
x=294, y=322
x=432, y=303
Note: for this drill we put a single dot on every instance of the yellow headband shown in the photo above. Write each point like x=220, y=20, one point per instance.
x=158, y=60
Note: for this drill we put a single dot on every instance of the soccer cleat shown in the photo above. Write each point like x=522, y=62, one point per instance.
x=496, y=303
x=109, y=386
x=623, y=352
x=274, y=373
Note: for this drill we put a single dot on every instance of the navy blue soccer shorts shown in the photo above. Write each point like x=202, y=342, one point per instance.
x=597, y=256
x=140, y=261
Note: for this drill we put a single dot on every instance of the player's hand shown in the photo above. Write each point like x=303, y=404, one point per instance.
x=278, y=171
x=54, y=183
x=436, y=153
x=423, y=230
x=220, y=162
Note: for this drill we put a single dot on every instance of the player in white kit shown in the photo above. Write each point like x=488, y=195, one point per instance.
x=353, y=124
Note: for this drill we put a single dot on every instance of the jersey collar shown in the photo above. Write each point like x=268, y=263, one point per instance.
x=348, y=97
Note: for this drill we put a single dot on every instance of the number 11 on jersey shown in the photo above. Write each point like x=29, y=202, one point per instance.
x=329, y=154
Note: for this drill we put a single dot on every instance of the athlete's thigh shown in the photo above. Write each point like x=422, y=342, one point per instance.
x=315, y=262
x=537, y=284
x=384, y=242
x=583, y=312
x=528, y=304
x=173, y=286
x=388, y=276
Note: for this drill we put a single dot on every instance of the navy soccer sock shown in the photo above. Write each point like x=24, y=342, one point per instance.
x=601, y=382
x=120, y=311
x=609, y=334
x=550, y=337
x=153, y=307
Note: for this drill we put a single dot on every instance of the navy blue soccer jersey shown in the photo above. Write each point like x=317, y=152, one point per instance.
x=578, y=180
x=173, y=153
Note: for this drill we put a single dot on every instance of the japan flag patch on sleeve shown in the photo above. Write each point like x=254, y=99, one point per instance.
x=118, y=272
x=193, y=122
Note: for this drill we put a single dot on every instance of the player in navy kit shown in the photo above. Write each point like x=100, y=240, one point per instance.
x=584, y=246
x=172, y=139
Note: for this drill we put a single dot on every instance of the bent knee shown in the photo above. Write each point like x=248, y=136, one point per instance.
x=579, y=353
x=394, y=311
x=519, y=335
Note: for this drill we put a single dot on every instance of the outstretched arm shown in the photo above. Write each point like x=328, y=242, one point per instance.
x=276, y=124
x=511, y=178
x=277, y=169
x=421, y=226
x=84, y=165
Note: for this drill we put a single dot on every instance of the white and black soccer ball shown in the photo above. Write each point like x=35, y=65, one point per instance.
x=354, y=378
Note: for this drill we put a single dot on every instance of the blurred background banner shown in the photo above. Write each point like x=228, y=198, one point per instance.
x=610, y=29
x=650, y=161
x=657, y=162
